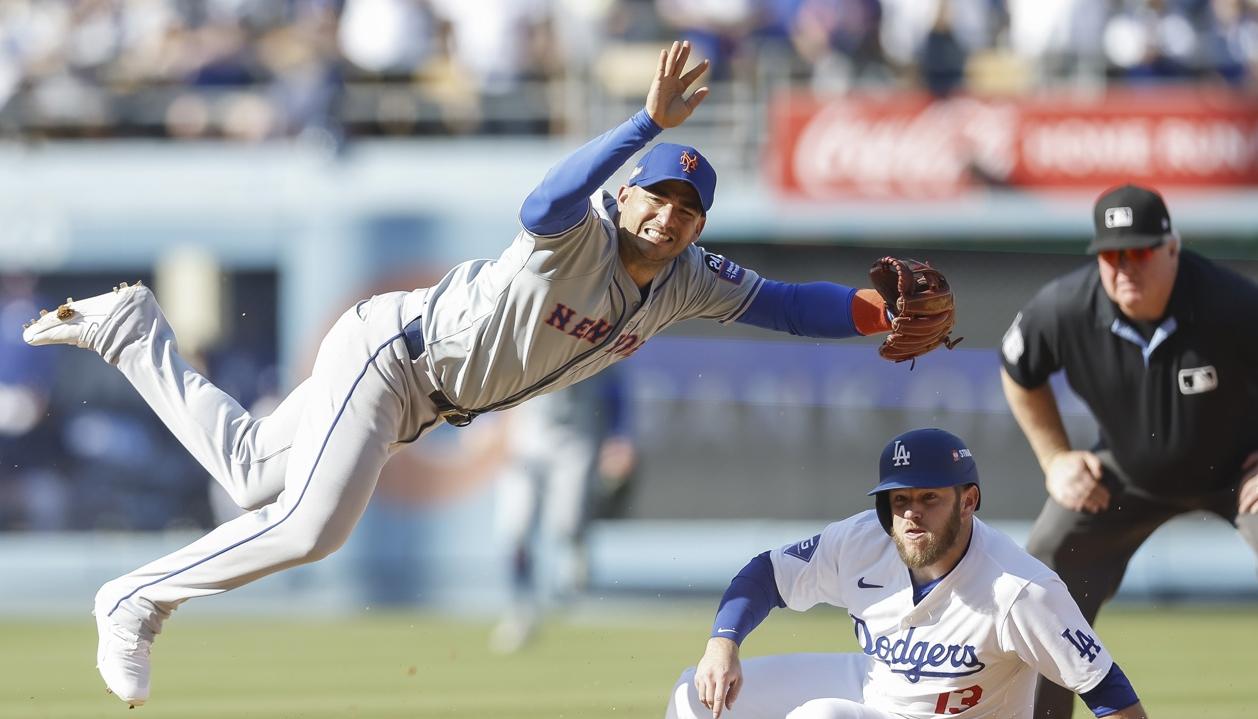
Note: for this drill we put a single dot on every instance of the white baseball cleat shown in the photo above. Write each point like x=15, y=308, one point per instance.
x=80, y=322
x=122, y=657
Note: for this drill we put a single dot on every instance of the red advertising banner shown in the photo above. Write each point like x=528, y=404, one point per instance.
x=907, y=145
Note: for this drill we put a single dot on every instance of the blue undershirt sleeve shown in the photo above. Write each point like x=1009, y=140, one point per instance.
x=747, y=601
x=1114, y=693
x=562, y=200
x=813, y=309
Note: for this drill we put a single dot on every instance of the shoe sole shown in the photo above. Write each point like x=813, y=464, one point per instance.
x=47, y=319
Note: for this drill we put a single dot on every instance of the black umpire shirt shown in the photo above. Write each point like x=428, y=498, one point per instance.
x=1178, y=409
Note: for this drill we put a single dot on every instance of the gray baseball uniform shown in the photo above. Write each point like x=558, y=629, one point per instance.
x=549, y=312
x=570, y=302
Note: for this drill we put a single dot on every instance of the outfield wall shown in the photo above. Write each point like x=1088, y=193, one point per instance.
x=439, y=562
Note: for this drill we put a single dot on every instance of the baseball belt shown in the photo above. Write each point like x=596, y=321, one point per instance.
x=413, y=334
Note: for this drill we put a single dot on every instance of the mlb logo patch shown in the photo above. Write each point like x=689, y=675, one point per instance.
x=1198, y=380
x=1118, y=217
x=804, y=549
x=1012, y=345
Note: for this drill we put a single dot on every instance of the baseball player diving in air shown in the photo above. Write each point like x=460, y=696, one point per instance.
x=590, y=277
x=951, y=616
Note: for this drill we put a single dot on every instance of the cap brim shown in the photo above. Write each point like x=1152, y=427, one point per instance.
x=918, y=481
x=1125, y=242
x=648, y=180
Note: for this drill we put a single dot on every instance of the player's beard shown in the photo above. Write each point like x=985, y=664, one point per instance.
x=917, y=556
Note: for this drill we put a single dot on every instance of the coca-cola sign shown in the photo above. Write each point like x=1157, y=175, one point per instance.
x=911, y=146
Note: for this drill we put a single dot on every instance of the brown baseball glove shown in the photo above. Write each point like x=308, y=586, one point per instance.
x=920, y=303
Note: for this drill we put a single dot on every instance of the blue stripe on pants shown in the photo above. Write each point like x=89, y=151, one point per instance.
x=296, y=504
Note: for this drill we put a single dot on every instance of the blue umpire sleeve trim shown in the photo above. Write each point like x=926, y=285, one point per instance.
x=1113, y=694
x=748, y=600
x=296, y=504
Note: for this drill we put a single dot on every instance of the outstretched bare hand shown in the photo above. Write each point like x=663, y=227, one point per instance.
x=666, y=101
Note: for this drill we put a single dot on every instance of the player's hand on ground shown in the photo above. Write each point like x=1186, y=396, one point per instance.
x=719, y=676
x=1073, y=480
x=1248, y=501
x=666, y=101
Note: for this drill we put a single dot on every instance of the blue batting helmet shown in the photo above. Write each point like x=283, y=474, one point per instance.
x=922, y=459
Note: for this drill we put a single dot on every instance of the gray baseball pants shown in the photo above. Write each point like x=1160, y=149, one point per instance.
x=1090, y=553
x=306, y=471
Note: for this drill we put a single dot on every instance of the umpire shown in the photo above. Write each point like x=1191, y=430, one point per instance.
x=1162, y=345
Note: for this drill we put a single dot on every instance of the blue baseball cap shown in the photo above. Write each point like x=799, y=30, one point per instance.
x=669, y=161
x=922, y=459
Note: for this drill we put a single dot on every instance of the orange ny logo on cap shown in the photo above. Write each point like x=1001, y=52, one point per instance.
x=688, y=161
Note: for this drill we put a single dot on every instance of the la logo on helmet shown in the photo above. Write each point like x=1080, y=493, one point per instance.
x=900, y=457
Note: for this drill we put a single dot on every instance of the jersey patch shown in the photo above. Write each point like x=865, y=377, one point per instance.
x=1197, y=380
x=1118, y=217
x=1012, y=346
x=725, y=269
x=804, y=549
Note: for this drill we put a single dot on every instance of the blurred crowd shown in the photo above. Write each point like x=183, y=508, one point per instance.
x=332, y=69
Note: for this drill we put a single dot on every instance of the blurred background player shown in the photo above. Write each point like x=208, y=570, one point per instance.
x=571, y=456
x=1161, y=345
x=964, y=630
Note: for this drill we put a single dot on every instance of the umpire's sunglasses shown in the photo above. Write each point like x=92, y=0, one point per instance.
x=1131, y=254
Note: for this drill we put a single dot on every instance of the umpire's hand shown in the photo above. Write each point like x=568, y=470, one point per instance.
x=666, y=101
x=719, y=676
x=1073, y=480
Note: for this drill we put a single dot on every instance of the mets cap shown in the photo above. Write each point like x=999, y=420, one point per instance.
x=669, y=161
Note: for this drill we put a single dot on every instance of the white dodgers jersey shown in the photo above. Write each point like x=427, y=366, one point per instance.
x=974, y=644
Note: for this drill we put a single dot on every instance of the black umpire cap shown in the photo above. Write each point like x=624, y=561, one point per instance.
x=1129, y=217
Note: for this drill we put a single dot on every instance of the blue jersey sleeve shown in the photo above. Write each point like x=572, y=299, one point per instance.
x=748, y=600
x=814, y=309
x=563, y=198
x=1114, y=693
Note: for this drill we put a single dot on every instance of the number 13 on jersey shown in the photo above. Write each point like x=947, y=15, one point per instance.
x=955, y=702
